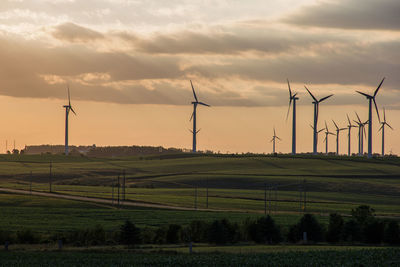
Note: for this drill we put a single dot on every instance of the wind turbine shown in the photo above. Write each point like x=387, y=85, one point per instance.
x=195, y=103
x=274, y=137
x=327, y=133
x=316, y=110
x=361, y=131
x=349, y=126
x=337, y=136
x=292, y=97
x=371, y=98
x=317, y=132
x=68, y=108
x=383, y=131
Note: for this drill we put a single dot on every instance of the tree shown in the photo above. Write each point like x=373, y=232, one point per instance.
x=174, y=234
x=264, y=230
x=335, y=228
x=392, y=233
x=352, y=231
x=362, y=214
x=129, y=234
x=222, y=232
x=311, y=226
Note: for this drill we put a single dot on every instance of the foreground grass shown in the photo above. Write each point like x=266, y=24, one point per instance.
x=362, y=257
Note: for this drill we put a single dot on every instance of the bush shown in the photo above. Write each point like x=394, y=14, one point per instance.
x=160, y=236
x=5, y=236
x=147, y=235
x=26, y=236
x=264, y=230
x=335, y=228
x=174, y=234
x=308, y=224
x=197, y=231
x=373, y=231
x=352, y=231
x=362, y=214
x=129, y=234
x=392, y=233
x=222, y=232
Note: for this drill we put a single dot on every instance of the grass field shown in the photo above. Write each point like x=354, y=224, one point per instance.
x=234, y=183
x=354, y=257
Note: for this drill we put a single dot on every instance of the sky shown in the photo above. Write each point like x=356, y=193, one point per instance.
x=129, y=64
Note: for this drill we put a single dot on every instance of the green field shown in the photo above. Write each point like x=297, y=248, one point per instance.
x=234, y=183
x=354, y=257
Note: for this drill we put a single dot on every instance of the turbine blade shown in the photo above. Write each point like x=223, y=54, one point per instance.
x=311, y=94
x=279, y=138
x=290, y=103
x=341, y=129
x=290, y=91
x=348, y=119
x=364, y=94
x=326, y=126
x=376, y=108
x=311, y=126
x=358, y=117
x=335, y=124
x=194, y=93
x=380, y=128
x=198, y=130
x=73, y=111
x=274, y=132
x=191, y=117
x=324, y=98
x=69, y=97
x=320, y=130
x=204, y=104
x=384, y=115
x=389, y=126
x=379, y=86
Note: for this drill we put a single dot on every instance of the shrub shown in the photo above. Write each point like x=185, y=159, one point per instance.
x=222, y=232
x=197, y=231
x=160, y=236
x=362, y=214
x=373, y=231
x=26, y=236
x=5, y=236
x=392, y=233
x=352, y=231
x=147, y=235
x=129, y=234
x=308, y=224
x=174, y=234
x=335, y=228
x=264, y=230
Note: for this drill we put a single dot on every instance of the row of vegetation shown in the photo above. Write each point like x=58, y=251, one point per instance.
x=362, y=227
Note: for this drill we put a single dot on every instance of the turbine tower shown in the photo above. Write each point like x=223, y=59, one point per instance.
x=195, y=103
x=327, y=133
x=337, y=136
x=371, y=98
x=349, y=126
x=317, y=132
x=292, y=97
x=274, y=137
x=383, y=131
x=316, y=110
x=68, y=108
x=361, y=131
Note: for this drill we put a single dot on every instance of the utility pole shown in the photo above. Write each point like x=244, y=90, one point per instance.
x=207, y=197
x=118, y=191
x=112, y=193
x=30, y=184
x=305, y=191
x=195, y=198
x=50, y=176
x=265, y=199
x=300, y=197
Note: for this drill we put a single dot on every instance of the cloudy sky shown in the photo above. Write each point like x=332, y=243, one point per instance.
x=128, y=64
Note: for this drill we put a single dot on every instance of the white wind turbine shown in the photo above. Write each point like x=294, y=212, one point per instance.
x=383, y=131
x=68, y=108
x=349, y=126
x=195, y=103
x=273, y=140
x=327, y=133
x=337, y=136
x=292, y=97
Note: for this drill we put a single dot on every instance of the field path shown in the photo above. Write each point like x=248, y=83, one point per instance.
x=98, y=200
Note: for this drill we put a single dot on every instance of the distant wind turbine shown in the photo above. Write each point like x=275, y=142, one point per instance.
x=327, y=133
x=317, y=132
x=195, y=103
x=316, y=110
x=337, y=136
x=349, y=126
x=273, y=140
x=371, y=98
x=68, y=108
x=383, y=131
x=292, y=97
x=361, y=131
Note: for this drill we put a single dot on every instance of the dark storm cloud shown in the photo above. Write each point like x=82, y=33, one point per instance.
x=350, y=14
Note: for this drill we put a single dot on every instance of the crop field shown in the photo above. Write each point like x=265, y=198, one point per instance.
x=358, y=257
x=235, y=186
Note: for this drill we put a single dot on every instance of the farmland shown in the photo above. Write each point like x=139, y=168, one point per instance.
x=248, y=183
